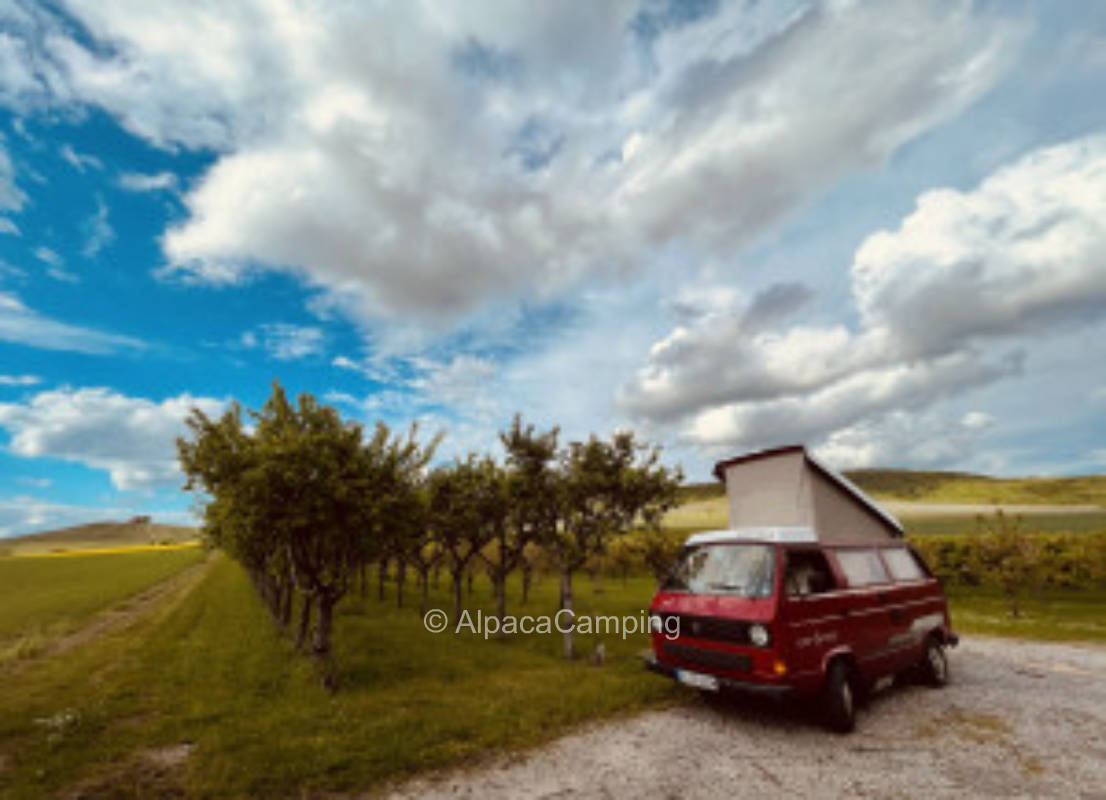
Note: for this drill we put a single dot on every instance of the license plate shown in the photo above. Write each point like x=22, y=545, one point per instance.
x=697, y=679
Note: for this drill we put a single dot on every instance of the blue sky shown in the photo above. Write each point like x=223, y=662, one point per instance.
x=876, y=228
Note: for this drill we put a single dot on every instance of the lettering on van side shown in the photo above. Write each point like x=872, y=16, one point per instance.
x=816, y=639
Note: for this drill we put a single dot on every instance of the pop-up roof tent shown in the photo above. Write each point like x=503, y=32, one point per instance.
x=788, y=493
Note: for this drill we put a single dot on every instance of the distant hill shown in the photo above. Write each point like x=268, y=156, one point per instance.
x=99, y=534
x=953, y=487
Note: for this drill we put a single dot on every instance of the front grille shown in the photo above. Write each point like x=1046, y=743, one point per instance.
x=714, y=628
x=735, y=662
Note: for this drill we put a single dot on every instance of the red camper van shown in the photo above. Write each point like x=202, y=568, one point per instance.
x=811, y=590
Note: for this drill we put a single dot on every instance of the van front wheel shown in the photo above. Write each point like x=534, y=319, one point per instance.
x=935, y=664
x=839, y=699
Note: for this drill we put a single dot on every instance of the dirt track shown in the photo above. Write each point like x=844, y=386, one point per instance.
x=905, y=508
x=119, y=616
x=1020, y=719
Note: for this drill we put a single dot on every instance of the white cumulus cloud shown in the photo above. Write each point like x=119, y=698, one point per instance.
x=948, y=301
x=505, y=150
x=131, y=438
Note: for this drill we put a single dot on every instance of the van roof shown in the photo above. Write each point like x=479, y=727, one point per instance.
x=776, y=535
x=782, y=535
x=847, y=488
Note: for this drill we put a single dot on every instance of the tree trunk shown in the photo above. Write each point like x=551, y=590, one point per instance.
x=266, y=588
x=457, y=576
x=470, y=574
x=276, y=601
x=320, y=646
x=287, y=594
x=437, y=575
x=305, y=623
x=527, y=572
x=362, y=570
x=320, y=641
x=567, y=620
x=401, y=580
x=424, y=585
x=500, y=581
x=382, y=574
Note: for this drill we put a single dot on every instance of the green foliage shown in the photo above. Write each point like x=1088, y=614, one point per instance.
x=304, y=503
x=1013, y=562
x=301, y=500
x=1009, y=557
x=605, y=489
x=466, y=506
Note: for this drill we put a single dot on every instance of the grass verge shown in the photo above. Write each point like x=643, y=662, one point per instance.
x=214, y=673
x=1050, y=614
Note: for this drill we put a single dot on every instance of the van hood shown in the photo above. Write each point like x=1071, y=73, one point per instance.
x=725, y=606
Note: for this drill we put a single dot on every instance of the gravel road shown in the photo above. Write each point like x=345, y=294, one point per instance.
x=1020, y=719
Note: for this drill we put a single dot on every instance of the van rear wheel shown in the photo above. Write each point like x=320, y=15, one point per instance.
x=934, y=666
x=839, y=698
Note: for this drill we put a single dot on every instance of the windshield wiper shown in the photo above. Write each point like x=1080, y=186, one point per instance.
x=725, y=587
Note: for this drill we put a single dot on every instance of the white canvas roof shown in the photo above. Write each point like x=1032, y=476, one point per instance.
x=789, y=488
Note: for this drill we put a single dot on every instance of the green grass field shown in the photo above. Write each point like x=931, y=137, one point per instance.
x=1052, y=614
x=43, y=597
x=214, y=672
x=1075, y=522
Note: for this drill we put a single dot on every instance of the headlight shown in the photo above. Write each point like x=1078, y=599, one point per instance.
x=656, y=624
x=758, y=635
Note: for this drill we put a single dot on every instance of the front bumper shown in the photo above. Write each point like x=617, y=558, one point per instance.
x=725, y=684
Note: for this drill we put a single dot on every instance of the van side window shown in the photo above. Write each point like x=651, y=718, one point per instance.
x=903, y=565
x=807, y=573
x=862, y=567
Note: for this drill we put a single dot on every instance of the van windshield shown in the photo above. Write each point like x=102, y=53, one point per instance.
x=741, y=569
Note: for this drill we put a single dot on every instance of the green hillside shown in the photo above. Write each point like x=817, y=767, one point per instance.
x=954, y=487
x=98, y=535
x=959, y=487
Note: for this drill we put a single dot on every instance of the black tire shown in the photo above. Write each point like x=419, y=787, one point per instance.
x=934, y=666
x=839, y=698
